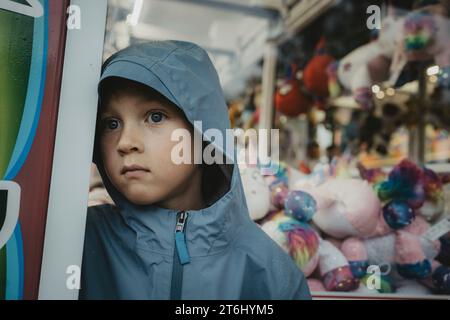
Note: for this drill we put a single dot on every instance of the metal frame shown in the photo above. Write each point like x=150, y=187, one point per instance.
x=254, y=11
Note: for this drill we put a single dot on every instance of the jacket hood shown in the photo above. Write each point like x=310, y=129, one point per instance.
x=184, y=74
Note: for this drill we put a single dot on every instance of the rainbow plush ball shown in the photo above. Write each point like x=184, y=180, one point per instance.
x=300, y=205
x=398, y=214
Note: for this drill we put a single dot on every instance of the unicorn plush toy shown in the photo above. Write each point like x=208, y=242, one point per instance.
x=366, y=65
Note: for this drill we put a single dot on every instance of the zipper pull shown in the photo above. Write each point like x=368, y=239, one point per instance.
x=180, y=238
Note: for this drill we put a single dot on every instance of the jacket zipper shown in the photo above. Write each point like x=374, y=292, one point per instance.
x=180, y=256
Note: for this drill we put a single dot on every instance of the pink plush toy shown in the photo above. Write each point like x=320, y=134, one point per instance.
x=345, y=207
x=309, y=251
x=399, y=236
x=289, y=228
x=335, y=269
x=408, y=250
x=421, y=188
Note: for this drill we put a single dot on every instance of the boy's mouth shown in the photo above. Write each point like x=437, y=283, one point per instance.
x=133, y=170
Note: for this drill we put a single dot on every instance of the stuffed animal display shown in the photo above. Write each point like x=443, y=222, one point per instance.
x=345, y=232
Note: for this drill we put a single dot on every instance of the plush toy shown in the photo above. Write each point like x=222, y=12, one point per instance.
x=420, y=187
x=444, y=254
x=393, y=234
x=426, y=34
x=434, y=204
x=363, y=67
x=400, y=237
x=256, y=191
x=345, y=207
x=290, y=98
x=304, y=245
x=334, y=269
x=405, y=183
x=289, y=228
x=315, y=75
x=441, y=279
x=296, y=238
x=408, y=250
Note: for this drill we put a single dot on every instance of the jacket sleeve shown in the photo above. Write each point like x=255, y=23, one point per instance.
x=300, y=291
x=295, y=286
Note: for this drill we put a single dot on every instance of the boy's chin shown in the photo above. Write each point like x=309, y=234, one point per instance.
x=139, y=198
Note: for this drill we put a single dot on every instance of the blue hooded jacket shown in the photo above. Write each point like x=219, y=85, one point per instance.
x=138, y=252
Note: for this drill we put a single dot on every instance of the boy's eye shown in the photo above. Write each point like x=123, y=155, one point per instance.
x=156, y=117
x=112, y=124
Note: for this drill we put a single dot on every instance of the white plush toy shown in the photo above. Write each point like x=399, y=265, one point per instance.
x=256, y=192
x=366, y=65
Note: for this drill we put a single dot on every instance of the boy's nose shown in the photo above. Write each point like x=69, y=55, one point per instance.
x=129, y=142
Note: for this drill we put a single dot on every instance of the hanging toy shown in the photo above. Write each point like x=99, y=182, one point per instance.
x=333, y=82
x=290, y=99
x=420, y=32
x=315, y=75
x=426, y=33
x=371, y=63
x=427, y=36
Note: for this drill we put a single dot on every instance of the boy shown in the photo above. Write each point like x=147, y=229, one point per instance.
x=176, y=231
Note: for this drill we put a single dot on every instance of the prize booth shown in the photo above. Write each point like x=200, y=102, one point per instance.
x=362, y=107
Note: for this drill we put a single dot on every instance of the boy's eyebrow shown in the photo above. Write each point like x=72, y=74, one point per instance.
x=104, y=114
x=148, y=105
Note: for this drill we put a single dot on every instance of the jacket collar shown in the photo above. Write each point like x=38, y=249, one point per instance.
x=208, y=231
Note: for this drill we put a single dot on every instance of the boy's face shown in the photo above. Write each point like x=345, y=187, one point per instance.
x=135, y=144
